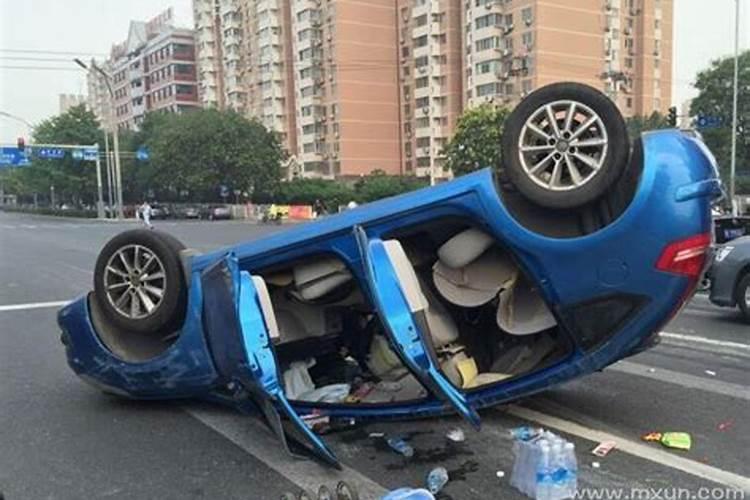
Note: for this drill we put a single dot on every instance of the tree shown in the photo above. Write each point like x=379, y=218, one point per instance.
x=73, y=180
x=714, y=98
x=476, y=141
x=202, y=150
x=639, y=124
x=378, y=185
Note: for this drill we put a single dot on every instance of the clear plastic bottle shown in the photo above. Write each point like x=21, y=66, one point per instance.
x=559, y=472
x=543, y=472
x=437, y=479
x=571, y=465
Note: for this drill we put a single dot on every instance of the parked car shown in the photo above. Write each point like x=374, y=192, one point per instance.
x=728, y=227
x=218, y=212
x=188, y=212
x=160, y=212
x=729, y=275
x=472, y=293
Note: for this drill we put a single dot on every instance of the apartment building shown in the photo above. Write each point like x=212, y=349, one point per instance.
x=623, y=47
x=355, y=86
x=97, y=96
x=67, y=101
x=152, y=70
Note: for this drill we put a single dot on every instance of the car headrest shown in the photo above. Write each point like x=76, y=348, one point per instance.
x=476, y=283
x=464, y=247
x=522, y=311
x=319, y=277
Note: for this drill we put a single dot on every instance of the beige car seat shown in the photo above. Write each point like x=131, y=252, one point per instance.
x=316, y=278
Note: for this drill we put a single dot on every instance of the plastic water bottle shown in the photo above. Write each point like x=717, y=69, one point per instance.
x=559, y=476
x=571, y=465
x=400, y=446
x=544, y=472
x=436, y=479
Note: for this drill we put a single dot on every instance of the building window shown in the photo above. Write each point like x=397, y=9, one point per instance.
x=487, y=43
x=421, y=82
x=420, y=41
x=421, y=20
x=527, y=39
x=487, y=89
x=489, y=66
x=489, y=20
x=422, y=102
x=421, y=61
x=526, y=16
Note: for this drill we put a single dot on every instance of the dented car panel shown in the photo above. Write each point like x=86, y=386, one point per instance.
x=609, y=274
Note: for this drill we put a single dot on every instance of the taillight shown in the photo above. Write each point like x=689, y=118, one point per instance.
x=686, y=257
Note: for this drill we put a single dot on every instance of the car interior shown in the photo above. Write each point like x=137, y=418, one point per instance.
x=485, y=319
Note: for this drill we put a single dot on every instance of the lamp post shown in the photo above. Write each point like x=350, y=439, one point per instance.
x=116, y=141
x=733, y=164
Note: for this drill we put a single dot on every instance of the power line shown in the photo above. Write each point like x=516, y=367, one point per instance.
x=48, y=68
x=40, y=59
x=56, y=52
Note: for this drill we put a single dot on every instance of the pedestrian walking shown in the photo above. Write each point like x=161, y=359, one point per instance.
x=145, y=211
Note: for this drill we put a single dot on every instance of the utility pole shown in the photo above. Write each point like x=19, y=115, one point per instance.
x=118, y=171
x=733, y=165
x=100, y=195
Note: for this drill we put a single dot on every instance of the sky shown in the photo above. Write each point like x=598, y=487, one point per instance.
x=703, y=32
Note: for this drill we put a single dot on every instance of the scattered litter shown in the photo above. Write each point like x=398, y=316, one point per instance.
x=409, y=494
x=376, y=435
x=333, y=393
x=500, y=474
x=437, y=479
x=595, y=465
x=545, y=465
x=456, y=435
x=710, y=372
x=652, y=370
x=725, y=426
x=603, y=448
x=400, y=446
x=676, y=440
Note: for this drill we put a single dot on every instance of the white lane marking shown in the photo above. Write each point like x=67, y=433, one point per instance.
x=705, y=341
x=637, y=449
x=679, y=378
x=253, y=437
x=34, y=305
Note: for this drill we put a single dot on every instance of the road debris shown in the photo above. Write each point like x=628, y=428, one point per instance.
x=545, y=465
x=437, y=479
x=710, y=372
x=676, y=440
x=400, y=446
x=375, y=435
x=456, y=435
x=725, y=426
x=603, y=448
x=500, y=474
x=595, y=465
x=409, y=494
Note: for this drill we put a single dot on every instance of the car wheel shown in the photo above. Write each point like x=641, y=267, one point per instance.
x=303, y=495
x=564, y=145
x=138, y=281
x=742, y=295
x=344, y=491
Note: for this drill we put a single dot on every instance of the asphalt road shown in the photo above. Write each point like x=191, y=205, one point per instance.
x=61, y=439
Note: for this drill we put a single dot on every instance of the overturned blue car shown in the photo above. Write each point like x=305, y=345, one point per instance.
x=567, y=258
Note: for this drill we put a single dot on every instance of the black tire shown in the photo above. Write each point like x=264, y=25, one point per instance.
x=741, y=294
x=591, y=183
x=169, y=311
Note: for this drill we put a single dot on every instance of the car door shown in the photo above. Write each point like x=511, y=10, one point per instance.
x=407, y=337
x=241, y=347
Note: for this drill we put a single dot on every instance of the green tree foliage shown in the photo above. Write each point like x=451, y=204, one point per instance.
x=74, y=181
x=200, y=151
x=714, y=86
x=378, y=185
x=639, y=124
x=476, y=141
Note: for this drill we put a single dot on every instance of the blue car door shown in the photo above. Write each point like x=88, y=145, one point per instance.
x=408, y=339
x=237, y=331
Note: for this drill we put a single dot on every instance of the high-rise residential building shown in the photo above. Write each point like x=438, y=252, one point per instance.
x=153, y=70
x=356, y=86
x=97, y=95
x=623, y=47
x=68, y=101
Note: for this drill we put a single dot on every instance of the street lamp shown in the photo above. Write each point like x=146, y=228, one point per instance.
x=735, y=92
x=118, y=171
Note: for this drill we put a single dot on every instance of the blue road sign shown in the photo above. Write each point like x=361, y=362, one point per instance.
x=90, y=154
x=77, y=154
x=142, y=154
x=14, y=157
x=707, y=121
x=223, y=191
x=50, y=153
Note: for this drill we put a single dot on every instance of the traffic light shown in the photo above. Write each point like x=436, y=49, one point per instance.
x=672, y=116
x=21, y=144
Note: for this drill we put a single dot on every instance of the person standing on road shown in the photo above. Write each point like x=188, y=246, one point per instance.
x=145, y=211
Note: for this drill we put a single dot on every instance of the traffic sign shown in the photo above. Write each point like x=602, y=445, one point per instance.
x=708, y=121
x=142, y=154
x=50, y=153
x=85, y=154
x=12, y=156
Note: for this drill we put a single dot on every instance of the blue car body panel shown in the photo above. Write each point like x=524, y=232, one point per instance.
x=672, y=202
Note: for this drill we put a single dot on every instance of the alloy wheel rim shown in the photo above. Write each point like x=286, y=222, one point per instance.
x=135, y=281
x=563, y=145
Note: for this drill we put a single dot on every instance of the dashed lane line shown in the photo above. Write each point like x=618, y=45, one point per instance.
x=705, y=341
x=34, y=305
